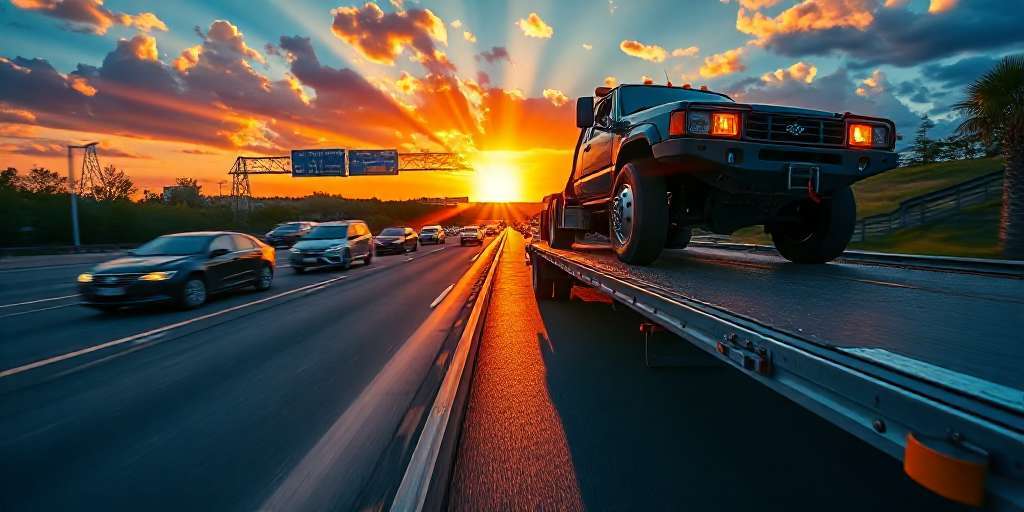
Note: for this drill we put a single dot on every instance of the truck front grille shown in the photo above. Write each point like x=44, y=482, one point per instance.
x=794, y=129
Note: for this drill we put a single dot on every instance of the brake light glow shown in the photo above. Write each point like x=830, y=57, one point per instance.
x=860, y=135
x=725, y=124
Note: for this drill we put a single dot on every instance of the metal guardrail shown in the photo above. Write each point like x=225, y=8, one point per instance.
x=932, y=206
x=885, y=405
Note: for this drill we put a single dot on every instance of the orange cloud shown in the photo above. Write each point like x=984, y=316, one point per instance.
x=381, y=37
x=188, y=59
x=758, y=4
x=937, y=6
x=800, y=71
x=686, y=52
x=91, y=15
x=872, y=85
x=469, y=36
x=408, y=84
x=723, y=63
x=556, y=97
x=534, y=26
x=142, y=46
x=81, y=85
x=807, y=16
x=610, y=81
x=652, y=53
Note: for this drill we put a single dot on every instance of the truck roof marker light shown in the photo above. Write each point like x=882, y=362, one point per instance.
x=725, y=124
x=648, y=81
x=677, y=123
x=860, y=135
x=704, y=88
x=687, y=86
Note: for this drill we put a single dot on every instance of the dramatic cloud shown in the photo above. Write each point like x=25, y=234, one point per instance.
x=611, y=81
x=873, y=33
x=757, y=4
x=723, y=63
x=937, y=6
x=381, y=37
x=652, y=52
x=872, y=85
x=800, y=71
x=495, y=54
x=91, y=15
x=469, y=36
x=556, y=97
x=533, y=26
x=692, y=51
x=959, y=73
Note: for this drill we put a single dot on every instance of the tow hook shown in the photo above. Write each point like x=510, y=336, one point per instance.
x=811, y=194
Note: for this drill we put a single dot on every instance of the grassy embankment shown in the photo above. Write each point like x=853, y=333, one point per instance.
x=974, y=232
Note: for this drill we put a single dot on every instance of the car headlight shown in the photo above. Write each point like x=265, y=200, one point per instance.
x=335, y=248
x=85, y=278
x=157, y=276
x=294, y=250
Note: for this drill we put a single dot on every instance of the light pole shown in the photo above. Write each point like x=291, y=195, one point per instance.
x=74, y=191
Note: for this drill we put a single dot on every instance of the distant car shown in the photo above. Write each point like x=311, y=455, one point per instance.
x=333, y=244
x=491, y=231
x=183, y=268
x=396, y=240
x=433, y=235
x=471, y=235
x=286, y=234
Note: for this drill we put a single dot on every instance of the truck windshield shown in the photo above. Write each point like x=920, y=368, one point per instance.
x=327, y=233
x=637, y=97
x=172, y=246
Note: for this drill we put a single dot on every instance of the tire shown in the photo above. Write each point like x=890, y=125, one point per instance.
x=638, y=214
x=298, y=270
x=193, y=293
x=679, y=238
x=558, y=238
x=543, y=287
x=346, y=260
x=265, y=278
x=823, y=233
x=368, y=258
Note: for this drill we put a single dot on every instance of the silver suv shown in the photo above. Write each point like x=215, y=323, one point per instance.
x=334, y=244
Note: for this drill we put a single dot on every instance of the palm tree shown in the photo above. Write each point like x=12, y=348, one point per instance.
x=994, y=111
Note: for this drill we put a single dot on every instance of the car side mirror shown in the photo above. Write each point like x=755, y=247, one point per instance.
x=585, y=112
x=216, y=253
x=354, y=237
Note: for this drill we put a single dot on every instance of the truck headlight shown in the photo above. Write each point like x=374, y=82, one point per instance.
x=157, y=276
x=85, y=278
x=698, y=123
x=863, y=135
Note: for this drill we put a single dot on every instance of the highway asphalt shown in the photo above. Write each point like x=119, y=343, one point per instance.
x=237, y=405
x=564, y=415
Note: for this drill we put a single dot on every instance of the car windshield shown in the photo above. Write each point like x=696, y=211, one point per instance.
x=392, y=232
x=172, y=246
x=471, y=231
x=327, y=233
x=636, y=98
x=286, y=228
x=428, y=230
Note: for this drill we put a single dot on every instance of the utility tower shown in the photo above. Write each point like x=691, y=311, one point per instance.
x=90, y=177
x=245, y=166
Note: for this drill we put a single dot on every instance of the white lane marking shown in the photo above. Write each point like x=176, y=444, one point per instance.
x=151, y=332
x=476, y=256
x=410, y=258
x=442, y=296
x=969, y=384
x=37, y=301
x=9, y=315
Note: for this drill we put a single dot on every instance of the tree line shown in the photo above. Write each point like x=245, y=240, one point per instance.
x=959, y=146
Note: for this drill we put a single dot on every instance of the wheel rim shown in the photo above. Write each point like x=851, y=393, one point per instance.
x=266, y=277
x=195, y=292
x=622, y=214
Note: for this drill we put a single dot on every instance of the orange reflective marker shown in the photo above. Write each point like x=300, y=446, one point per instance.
x=959, y=477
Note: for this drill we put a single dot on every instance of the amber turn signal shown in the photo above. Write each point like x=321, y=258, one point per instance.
x=860, y=135
x=725, y=124
x=677, y=124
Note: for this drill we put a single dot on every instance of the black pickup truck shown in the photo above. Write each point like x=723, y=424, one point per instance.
x=652, y=162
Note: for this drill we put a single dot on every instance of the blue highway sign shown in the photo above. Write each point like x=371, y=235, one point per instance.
x=372, y=162
x=318, y=162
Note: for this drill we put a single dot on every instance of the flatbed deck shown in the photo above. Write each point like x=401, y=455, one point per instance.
x=881, y=352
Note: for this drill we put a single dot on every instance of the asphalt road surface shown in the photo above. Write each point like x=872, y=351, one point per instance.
x=219, y=408
x=564, y=415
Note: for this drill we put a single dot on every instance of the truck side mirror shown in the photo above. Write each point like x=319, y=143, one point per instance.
x=585, y=112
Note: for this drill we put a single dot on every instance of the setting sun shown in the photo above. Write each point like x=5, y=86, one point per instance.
x=497, y=180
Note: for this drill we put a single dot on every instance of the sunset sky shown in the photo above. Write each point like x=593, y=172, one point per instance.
x=181, y=88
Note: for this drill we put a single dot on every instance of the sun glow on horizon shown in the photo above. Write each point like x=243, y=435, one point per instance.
x=497, y=179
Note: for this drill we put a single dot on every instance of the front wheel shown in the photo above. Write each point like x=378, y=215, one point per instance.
x=368, y=258
x=822, y=232
x=193, y=293
x=638, y=214
x=265, y=278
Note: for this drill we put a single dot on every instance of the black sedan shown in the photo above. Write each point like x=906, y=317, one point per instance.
x=288, y=233
x=396, y=241
x=181, y=268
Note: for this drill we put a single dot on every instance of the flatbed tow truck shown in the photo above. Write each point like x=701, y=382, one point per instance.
x=958, y=434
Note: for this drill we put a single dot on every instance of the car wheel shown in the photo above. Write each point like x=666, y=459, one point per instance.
x=193, y=293
x=557, y=237
x=823, y=232
x=298, y=270
x=265, y=278
x=346, y=260
x=638, y=214
x=368, y=258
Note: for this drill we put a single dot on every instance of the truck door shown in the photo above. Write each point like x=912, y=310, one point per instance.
x=596, y=155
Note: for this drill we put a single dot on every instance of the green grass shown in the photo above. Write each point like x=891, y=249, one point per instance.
x=882, y=193
x=972, y=233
